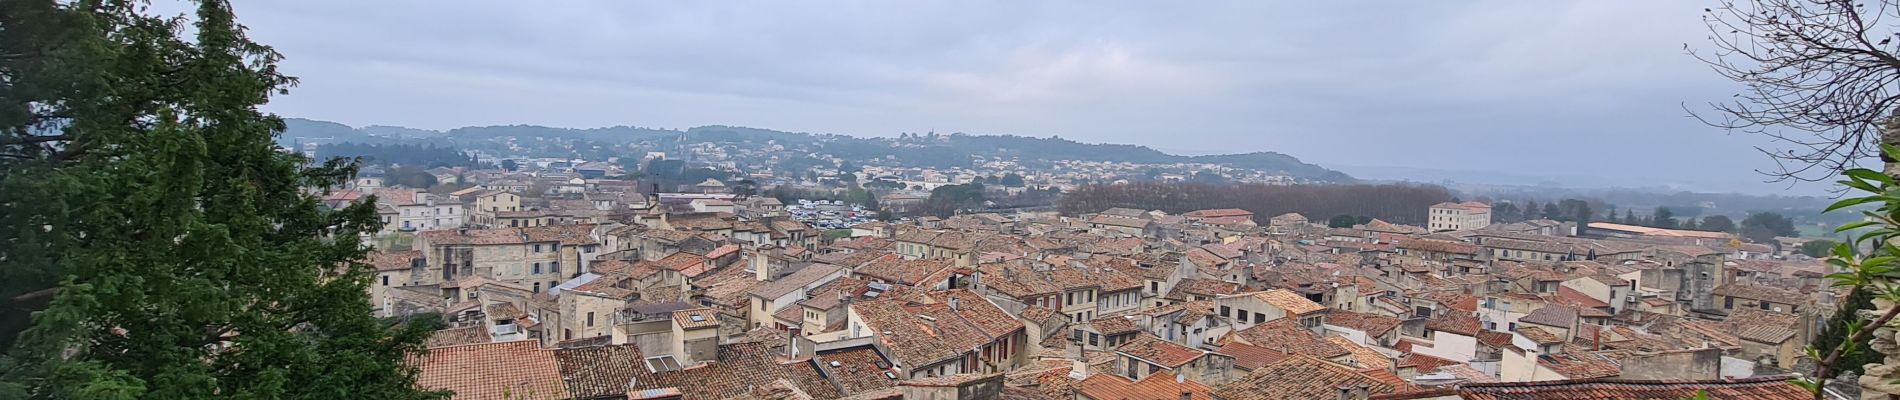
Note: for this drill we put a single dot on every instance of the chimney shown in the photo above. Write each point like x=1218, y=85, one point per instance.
x=953, y=303
x=1345, y=392
x=761, y=265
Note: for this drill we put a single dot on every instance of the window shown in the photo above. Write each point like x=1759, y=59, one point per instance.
x=1076, y=335
x=554, y=267
x=385, y=280
x=1226, y=312
x=567, y=334
x=1095, y=339
x=537, y=287
x=1241, y=316
x=590, y=318
x=537, y=268
x=1259, y=318
x=663, y=364
x=537, y=248
x=1728, y=302
x=1764, y=305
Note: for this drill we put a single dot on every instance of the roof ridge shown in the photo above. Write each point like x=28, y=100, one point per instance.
x=1753, y=379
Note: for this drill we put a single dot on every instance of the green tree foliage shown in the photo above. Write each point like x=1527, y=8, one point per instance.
x=1506, y=212
x=947, y=200
x=1836, y=330
x=167, y=246
x=1690, y=224
x=1552, y=211
x=1012, y=180
x=1662, y=218
x=509, y=164
x=1765, y=226
x=1629, y=218
x=1346, y=220
x=1817, y=248
x=1718, y=223
x=409, y=176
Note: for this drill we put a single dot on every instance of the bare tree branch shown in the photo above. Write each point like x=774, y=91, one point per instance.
x=1819, y=77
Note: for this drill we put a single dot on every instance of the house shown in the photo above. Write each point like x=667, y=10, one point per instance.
x=1450, y=216
x=1736, y=296
x=1221, y=216
x=1147, y=355
x=947, y=333
x=1303, y=378
x=1247, y=310
x=1769, y=336
x=1159, y=385
x=783, y=292
x=491, y=371
x=538, y=257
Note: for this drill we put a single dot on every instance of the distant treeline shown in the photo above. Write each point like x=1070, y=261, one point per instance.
x=1403, y=204
x=399, y=154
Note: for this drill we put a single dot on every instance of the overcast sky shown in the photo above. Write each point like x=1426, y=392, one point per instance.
x=1570, y=89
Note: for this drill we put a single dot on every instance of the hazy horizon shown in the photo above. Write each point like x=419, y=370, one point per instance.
x=1520, y=88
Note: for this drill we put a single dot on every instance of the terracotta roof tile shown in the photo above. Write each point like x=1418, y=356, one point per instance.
x=1287, y=334
x=1293, y=303
x=1584, y=365
x=1758, y=388
x=696, y=318
x=1372, y=324
x=1366, y=357
x=490, y=370
x=1539, y=335
x=1250, y=357
x=1298, y=377
x=474, y=334
x=920, y=335
x=394, y=260
x=1160, y=385
x=1152, y=349
x=858, y=369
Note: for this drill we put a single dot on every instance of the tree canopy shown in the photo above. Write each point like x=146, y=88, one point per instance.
x=1765, y=226
x=165, y=246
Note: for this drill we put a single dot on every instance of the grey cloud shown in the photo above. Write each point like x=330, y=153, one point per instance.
x=1531, y=87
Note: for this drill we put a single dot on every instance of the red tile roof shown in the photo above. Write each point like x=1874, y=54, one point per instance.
x=1251, y=357
x=490, y=370
x=1293, y=303
x=1298, y=377
x=1154, y=350
x=1372, y=324
x=1287, y=334
x=1580, y=365
x=1160, y=385
x=1757, y=388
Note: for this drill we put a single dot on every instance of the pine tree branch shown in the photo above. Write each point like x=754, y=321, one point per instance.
x=30, y=139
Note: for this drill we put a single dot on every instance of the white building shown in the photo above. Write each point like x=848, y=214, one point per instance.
x=423, y=213
x=1468, y=215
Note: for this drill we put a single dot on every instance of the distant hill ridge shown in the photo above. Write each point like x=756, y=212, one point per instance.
x=956, y=150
